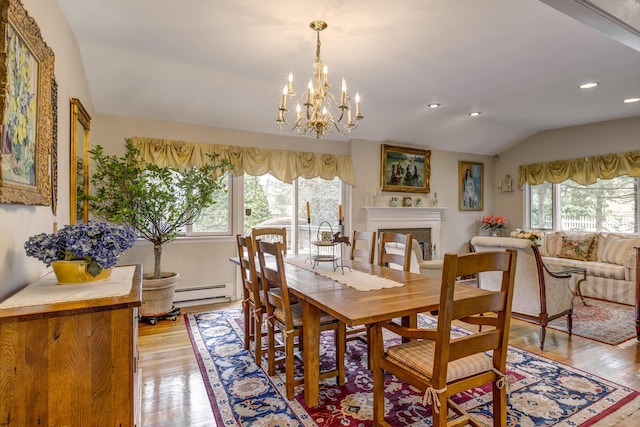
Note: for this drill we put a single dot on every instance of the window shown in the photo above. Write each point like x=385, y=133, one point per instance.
x=608, y=205
x=269, y=202
x=216, y=219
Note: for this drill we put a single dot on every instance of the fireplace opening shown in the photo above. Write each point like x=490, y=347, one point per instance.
x=423, y=237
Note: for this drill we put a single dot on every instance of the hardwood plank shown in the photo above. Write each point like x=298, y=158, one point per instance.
x=173, y=388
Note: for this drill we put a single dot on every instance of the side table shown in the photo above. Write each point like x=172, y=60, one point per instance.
x=576, y=291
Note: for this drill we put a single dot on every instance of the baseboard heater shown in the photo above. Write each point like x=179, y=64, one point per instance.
x=201, y=295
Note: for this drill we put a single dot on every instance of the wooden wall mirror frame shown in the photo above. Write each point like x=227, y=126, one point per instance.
x=79, y=170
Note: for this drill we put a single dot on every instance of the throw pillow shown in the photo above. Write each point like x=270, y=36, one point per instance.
x=552, y=243
x=616, y=251
x=579, y=249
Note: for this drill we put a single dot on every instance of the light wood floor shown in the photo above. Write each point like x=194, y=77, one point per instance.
x=173, y=392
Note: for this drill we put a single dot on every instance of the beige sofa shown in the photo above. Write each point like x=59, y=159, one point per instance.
x=539, y=295
x=609, y=259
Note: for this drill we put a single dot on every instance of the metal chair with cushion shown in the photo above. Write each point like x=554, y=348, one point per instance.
x=443, y=365
x=286, y=319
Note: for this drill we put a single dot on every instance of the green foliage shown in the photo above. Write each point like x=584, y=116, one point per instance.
x=255, y=198
x=157, y=201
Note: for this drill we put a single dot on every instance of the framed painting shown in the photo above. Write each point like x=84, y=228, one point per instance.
x=26, y=110
x=470, y=186
x=405, y=169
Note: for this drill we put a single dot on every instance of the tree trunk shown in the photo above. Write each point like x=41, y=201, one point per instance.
x=157, y=252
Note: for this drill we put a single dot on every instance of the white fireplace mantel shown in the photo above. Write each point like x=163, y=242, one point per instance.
x=379, y=217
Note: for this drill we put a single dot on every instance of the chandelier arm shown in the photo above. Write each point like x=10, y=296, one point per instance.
x=320, y=104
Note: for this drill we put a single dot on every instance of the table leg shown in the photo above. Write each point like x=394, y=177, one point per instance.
x=311, y=353
x=578, y=290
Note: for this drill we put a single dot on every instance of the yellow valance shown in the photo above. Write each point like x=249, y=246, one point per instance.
x=284, y=165
x=584, y=171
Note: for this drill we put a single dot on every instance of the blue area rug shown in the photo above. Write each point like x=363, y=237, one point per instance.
x=543, y=392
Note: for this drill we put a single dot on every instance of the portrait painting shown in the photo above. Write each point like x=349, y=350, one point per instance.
x=470, y=182
x=405, y=169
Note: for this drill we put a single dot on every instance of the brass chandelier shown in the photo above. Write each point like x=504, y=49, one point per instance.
x=320, y=112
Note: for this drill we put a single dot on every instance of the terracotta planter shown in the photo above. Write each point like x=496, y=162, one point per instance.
x=75, y=272
x=157, y=294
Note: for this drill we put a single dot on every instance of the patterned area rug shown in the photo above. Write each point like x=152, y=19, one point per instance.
x=599, y=320
x=543, y=392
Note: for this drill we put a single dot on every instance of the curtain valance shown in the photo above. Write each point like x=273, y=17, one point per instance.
x=284, y=165
x=584, y=171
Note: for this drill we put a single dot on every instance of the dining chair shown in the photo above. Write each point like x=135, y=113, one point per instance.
x=252, y=306
x=442, y=365
x=366, y=249
x=286, y=319
x=395, y=260
x=271, y=234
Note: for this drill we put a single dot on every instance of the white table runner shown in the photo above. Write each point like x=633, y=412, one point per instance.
x=47, y=291
x=353, y=278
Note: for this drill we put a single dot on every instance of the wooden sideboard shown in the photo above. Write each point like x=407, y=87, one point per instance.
x=74, y=362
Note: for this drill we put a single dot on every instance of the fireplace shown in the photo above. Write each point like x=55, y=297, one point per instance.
x=422, y=236
x=423, y=223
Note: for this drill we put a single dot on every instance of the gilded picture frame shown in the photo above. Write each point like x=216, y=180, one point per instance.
x=470, y=186
x=405, y=169
x=26, y=110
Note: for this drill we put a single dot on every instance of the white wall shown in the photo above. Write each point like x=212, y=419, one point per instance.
x=613, y=136
x=18, y=222
x=458, y=227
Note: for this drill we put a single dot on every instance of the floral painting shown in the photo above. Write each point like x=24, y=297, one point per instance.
x=26, y=109
x=19, y=130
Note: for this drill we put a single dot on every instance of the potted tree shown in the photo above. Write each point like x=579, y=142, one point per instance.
x=158, y=202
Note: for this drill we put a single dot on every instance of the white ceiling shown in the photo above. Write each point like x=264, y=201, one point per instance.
x=223, y=64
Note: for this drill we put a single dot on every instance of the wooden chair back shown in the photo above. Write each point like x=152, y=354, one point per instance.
x=472, y=310
x=270, y=234
x=248, y=270
x=388, y=259
x=367, y=248
x=274, y=282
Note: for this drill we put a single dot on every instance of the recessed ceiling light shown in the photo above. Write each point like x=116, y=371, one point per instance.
x=589, y=85
x=475, y=113
x=434, y=105
x=630, y=100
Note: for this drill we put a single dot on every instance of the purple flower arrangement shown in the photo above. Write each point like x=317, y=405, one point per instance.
x=99, y=244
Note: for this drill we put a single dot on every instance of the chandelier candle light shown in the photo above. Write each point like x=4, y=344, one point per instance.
x=321, y=107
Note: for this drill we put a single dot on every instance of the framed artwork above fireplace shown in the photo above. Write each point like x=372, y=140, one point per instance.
x=405, y=169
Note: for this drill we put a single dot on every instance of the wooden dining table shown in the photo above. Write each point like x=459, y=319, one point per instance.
x=317, y=293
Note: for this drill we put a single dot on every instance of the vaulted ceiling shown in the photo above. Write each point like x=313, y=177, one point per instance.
x=224, y=63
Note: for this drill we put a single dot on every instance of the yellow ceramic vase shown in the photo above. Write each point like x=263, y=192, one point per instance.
x=75, y=272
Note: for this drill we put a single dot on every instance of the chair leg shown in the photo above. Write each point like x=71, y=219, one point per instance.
x=247, y=325
x=271, y=347
x=257, y=337
x=440, y=417
x=289, y=366
x=499, y=405
x=570, y=321
x=543, y=332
